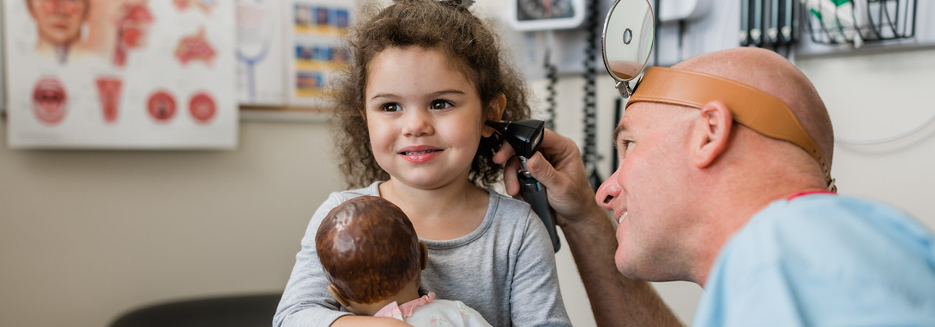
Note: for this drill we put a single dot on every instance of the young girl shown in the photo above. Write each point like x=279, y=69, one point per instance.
x=424, y=77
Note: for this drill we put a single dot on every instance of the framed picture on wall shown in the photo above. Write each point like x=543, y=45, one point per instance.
x=313, y=38
x=287, y=53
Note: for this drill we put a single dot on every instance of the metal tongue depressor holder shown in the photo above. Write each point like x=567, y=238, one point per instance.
x=525, y=136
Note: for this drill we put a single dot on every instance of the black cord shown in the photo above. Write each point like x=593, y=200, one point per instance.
x=681, y=38
x=550, y=73
x=589, y=155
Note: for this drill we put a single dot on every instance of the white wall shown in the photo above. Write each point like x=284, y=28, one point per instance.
x=86, y=235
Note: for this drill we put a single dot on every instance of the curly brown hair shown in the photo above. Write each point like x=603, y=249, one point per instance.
x=448, y=27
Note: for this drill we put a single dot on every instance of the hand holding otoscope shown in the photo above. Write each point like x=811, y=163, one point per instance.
x=525, y=136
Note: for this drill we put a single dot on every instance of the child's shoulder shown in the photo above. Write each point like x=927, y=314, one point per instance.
x=336, y=198
x=371, y=190
x=517, y=211
x=504, y=202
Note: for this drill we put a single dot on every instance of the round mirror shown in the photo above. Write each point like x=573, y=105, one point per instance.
x=627, y=40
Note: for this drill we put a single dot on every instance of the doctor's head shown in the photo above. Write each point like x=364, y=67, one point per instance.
x=693, y=171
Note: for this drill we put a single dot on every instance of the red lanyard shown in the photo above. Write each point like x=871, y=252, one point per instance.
x=810, y=193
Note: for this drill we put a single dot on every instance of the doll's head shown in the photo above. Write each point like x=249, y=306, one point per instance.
x=369, y=250
x=448, y=27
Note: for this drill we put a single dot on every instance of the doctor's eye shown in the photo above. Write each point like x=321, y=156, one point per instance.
x=391, y=107
x=441, y=104
x=625, y=146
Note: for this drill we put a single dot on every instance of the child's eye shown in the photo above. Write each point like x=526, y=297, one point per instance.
x=441, y=104
x=391, y=107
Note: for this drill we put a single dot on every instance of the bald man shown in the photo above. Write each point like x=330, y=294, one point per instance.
x=724, y=181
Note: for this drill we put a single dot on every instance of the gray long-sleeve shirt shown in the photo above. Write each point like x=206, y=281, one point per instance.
x=505, y=269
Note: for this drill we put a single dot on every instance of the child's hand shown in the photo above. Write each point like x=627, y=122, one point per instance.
x=353, y=321
x=558, y=166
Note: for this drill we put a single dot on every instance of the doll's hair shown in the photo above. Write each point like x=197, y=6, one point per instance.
x=446, y=26
x=368, y=249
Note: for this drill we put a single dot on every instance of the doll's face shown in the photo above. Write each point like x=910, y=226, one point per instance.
x=368, y=249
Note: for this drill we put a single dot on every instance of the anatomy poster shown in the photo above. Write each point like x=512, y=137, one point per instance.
x=123, y=74
x=314, y=32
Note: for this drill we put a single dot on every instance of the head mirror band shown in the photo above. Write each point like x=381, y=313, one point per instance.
x=750, y=107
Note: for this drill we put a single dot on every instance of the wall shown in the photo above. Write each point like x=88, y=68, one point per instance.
x=86, y=235
x=875, y=96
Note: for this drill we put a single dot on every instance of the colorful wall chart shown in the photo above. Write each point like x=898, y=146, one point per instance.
x=314, y=40
x=121, y=74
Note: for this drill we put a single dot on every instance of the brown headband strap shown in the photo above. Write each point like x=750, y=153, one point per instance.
x=751, y=107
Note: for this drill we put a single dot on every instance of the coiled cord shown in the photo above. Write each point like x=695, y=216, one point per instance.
x=589, y=155
x=550, y=74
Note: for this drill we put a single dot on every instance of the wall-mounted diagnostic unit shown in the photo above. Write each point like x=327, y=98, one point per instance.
x=537, y=15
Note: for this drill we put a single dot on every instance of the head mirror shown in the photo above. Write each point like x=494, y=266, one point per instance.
x=628, y=41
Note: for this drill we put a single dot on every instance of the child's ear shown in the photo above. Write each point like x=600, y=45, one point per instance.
x=494, y=112
x=362, y=114
x=337, y=296
x=425, y=254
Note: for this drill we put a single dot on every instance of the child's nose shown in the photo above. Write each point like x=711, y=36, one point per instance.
x=418, y=123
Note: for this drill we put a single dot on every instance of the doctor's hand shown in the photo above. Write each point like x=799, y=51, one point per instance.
x=558, y=166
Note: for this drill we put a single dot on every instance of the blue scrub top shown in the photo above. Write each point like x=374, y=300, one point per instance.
x=823, y=260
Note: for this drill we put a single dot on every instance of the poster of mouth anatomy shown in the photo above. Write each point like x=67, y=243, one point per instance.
x=121, y=74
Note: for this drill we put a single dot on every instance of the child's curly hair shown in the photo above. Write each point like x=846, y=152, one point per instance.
x=442, y=25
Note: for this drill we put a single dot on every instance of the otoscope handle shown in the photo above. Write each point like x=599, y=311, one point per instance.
x=535, y=194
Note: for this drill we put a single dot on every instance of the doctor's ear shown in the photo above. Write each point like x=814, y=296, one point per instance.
x=494, y=113
x=712, y=133
x=337, y=296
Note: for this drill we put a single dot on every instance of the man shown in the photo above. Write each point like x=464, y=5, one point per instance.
x=703, y=195
x=58, y=23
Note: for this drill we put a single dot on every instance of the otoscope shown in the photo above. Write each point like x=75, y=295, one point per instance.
x=525, y=136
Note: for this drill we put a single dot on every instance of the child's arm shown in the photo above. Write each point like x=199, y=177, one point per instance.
x=354, y=321
x=535, y=297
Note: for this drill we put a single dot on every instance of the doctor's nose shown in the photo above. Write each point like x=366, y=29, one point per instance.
x=608, y=191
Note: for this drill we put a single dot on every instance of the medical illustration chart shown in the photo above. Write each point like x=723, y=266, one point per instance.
x=313, y=36
x=121, y=74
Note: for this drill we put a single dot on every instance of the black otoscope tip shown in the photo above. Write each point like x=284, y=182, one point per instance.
x=524, y=135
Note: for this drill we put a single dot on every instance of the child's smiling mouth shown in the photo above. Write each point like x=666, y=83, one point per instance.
x=419, y=153
x=415, y=153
